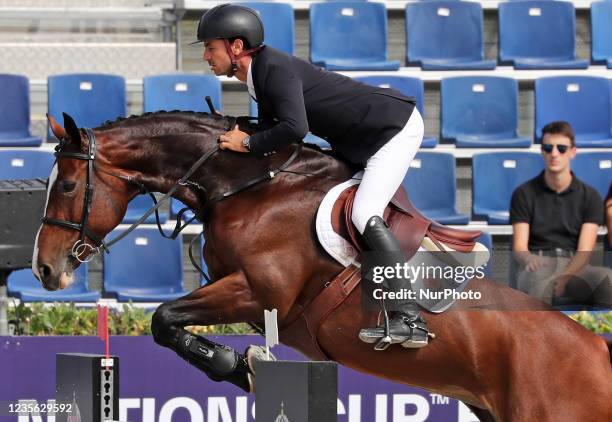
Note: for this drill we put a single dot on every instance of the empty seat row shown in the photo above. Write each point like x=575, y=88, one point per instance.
x=143, y=267
x=442, y=35
x=431, y=180
x=476, y=111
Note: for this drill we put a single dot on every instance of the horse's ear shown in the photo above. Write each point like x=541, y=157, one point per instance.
x=71, y=129
x=57, y=130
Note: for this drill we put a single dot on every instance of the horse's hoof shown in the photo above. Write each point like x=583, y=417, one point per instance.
x=257, y=354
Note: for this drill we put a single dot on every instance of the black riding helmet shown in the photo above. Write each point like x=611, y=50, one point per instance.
x=228, y=21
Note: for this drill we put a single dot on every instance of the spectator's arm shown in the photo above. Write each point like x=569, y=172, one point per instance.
x=586, y=244
x=520, y=242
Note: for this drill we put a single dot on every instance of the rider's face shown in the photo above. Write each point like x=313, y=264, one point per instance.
x=216, y=56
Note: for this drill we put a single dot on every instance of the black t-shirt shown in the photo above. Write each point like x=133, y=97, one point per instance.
x=555, y=219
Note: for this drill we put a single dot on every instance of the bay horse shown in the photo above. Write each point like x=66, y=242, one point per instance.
x=507, y=356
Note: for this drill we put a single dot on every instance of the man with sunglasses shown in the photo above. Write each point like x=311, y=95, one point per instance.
x=553, y=216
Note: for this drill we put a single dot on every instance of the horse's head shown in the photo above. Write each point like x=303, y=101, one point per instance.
x=84, y=203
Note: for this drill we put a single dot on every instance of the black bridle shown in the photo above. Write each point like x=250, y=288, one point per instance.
x=81, y=246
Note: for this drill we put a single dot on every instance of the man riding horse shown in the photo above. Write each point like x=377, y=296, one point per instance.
x=376, y=128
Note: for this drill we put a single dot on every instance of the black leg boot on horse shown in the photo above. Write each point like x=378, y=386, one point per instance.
x=404, y=324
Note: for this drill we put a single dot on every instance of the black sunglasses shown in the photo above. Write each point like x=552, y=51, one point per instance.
x=548, y=148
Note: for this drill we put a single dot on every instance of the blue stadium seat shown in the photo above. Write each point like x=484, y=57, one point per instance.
x=180, y=91
x=446, y=35
x=349, y=36
x=538, y=35
x=89, y=98
x=138, y=206
x=601, y=32
x=25, y=164
x=412, y=87
x=279, y=23
x=145, y=267
x=203, y=261
x=481, y=112
x=583, y=101
x=430, y=183
x=495, y=175
x=310, y=138
x=23, y=285
x=176, y=206
x=595, y=169
x=15, y=112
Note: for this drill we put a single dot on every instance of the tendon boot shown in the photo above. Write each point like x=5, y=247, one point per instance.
x=404, y=324
x=222, y=363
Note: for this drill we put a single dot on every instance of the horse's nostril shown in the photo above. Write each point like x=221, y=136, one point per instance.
x=44, y=271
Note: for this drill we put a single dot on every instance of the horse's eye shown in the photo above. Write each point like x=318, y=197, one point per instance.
x=67, y=187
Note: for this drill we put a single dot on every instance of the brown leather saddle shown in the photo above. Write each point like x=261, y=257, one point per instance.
x=409, y=226
x=405, y=221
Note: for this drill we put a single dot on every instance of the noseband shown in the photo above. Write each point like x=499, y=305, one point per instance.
x=81, y=246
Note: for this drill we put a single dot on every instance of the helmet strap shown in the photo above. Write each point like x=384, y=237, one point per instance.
x=234, y=58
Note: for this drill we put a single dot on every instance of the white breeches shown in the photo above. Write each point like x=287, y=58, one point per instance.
x=385, y=171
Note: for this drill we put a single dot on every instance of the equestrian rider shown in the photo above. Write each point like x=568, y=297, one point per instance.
x=379, y=129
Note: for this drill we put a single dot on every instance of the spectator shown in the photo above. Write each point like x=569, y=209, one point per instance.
x=554, y=219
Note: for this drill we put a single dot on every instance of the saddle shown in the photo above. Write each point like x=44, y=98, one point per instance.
x=410, y=227
x=413, y=231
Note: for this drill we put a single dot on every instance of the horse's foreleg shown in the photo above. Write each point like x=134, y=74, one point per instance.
x=228, y=300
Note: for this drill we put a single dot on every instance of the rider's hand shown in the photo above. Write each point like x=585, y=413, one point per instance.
x=232, y=140
x=534, y=263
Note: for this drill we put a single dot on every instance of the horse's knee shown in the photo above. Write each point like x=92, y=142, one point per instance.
x=162, y=324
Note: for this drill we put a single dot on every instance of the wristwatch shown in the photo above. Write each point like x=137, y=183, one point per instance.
x=246, y=142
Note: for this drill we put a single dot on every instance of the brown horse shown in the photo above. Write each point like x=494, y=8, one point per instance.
x=529, y=363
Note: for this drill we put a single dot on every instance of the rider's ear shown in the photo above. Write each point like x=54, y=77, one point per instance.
x=71, y=129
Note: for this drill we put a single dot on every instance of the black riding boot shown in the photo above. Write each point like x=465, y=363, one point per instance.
x=404, y=324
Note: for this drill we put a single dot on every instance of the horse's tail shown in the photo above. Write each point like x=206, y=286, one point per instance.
x=609, y=343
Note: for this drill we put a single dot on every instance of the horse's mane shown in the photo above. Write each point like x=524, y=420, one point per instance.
x=162, y=116
x=154, y=116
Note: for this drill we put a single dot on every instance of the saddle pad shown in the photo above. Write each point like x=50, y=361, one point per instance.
x=334, y=244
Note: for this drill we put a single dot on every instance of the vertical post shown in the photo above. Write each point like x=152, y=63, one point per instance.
x=4, y=331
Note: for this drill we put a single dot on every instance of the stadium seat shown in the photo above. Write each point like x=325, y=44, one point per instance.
x=180, y=91
x=145, y=267
x=25, y=164
x=349, y=36
x=412, y=87
x=495, y=175
x=538, y=35
x=481, y=112
x=89, y=98
x=23, y=285
x=279, y=24
x=445, y=35
x=595, y=169
x=601, y=32
x=176, y=206
x=15, y=112
x=203, y=261
x=310, y=138
x=583, y=101
x=138, y=206
x=430, y=183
